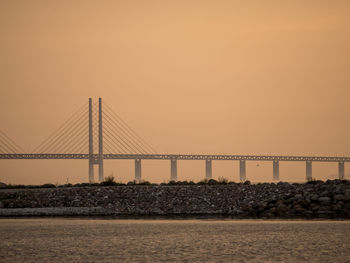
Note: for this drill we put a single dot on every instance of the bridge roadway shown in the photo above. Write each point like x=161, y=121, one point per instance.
x=96, y=159
x=180, y=157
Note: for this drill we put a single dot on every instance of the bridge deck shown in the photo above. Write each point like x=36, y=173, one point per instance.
x=180, y=157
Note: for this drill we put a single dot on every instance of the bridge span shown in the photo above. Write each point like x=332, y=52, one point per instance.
x=207, y=158
x=89, y=127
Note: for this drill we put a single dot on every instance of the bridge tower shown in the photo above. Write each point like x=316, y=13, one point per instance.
x=92, y=158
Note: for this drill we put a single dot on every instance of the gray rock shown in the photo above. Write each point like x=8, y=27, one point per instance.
x=347, y=192
x=324, y=200
x=314, y=197
x=314, y=207
x=298, y=197
x=256, y=200
x=339, y=197
x=347, y=205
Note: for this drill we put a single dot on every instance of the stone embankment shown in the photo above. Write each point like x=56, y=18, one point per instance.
x=329, y=199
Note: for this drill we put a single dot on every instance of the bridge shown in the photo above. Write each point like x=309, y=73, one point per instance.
x=89, y=127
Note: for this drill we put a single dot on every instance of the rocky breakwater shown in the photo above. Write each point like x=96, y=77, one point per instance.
x=317, y=199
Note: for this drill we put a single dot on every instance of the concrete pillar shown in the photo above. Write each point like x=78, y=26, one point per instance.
x=276, y=170
x=308, y=170
x=341, y=170
x=91, y=147
x=173, y=170
x=138, y=170
x=208, y=169
x=100, y=141
x=242, y=170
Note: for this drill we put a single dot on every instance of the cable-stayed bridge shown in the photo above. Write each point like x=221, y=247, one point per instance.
x=95, y=133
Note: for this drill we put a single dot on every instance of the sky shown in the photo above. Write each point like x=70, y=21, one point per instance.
x=209, y=77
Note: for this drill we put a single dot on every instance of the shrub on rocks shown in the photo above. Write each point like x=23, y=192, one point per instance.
x=109, y=181
x=144, y=183
x=222, y=180
x=212, y=182
x=48, y=186
x=204, y=181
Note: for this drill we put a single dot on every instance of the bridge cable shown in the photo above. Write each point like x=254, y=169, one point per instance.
x=120, y=148
x=127, y=131
x=127, y=127
x=115, y=143
x=83, y=148
x=73, y=140
x=130, y=148
x=63, y=135
x=58, y=131
x=130, y=140
x=109, y=149
x=15, y=145
x=80, y=143
x=64, y=132
x=112, y=142
x=74, y=133
x=7, y=147
x=133, y=142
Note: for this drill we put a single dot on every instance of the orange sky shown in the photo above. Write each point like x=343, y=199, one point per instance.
x=232, y=77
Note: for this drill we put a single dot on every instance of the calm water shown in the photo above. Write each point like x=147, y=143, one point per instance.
x=86, y=240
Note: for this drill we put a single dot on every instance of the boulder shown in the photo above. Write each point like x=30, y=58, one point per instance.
x=339, y=197
x=347, y=205
x=324, y=200
x=347, y=192
x=314, y=197
x=298, y=197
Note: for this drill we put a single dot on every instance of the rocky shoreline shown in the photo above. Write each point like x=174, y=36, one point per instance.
x=330, y=199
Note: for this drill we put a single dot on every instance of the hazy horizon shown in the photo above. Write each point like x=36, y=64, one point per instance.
x=191, y=77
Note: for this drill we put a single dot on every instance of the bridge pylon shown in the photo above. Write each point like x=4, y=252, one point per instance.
x=92, y=157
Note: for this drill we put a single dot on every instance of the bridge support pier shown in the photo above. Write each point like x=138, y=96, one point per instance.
x=276, y=170
x=208, y=169
x=173, y=170
x=138, y=170
x=341, y=170
x=242, y=171
x=308, y=170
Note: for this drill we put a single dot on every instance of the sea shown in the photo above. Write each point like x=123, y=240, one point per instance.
x=163, y=240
